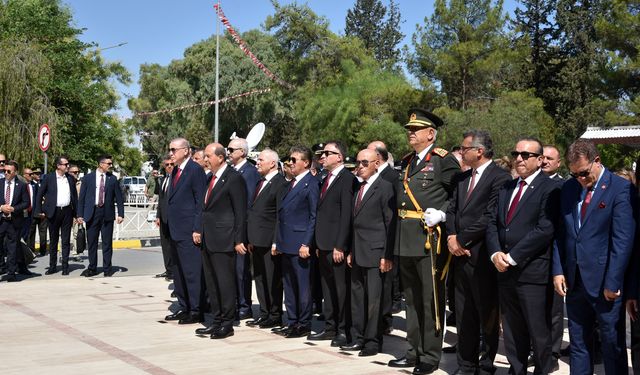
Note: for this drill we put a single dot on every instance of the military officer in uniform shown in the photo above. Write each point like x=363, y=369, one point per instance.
x=425, y=187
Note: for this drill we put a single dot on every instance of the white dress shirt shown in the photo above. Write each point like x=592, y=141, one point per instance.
x=64, y=191
x=98, y=177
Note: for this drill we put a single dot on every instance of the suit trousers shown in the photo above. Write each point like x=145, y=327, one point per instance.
x=366, y=307
x=335, y=290
x=220, y=278
x=392, y=293
x=9, y=245
x=165, y=243
x=557, y=324
x=476, y=300
x=267, y=273
x=100, y=226
x=297, y=290
x=187, y=274
x=583, y=311
x=41, y=224
x=526, y=324
x=60, y=228
x=416, y=278
x=635, y=347
x=243, y=282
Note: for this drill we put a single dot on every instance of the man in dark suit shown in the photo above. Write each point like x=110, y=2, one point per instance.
x=238, y=150
x=14, y=199
x=332, y=238
x=261, y=234
x=476, y=290
x=162, y=215
x=594, y=242
x=184, y=207
x=392, y=303
x=296, y=224
x=423, y=196
x=37, y=222
x=223, y=235
x=60, y=196
x=27, y=174
x=519, y=242
x=371, y=256
x=99, y=193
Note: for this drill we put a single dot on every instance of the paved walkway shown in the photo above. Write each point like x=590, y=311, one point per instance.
x=74, y=325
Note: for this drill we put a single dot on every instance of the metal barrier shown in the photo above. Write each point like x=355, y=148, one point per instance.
x=139, y=220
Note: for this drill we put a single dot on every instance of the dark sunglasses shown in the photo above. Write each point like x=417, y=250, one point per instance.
x=365, y=163
x=524, y=154
x=168, y=164
x=107, y=163
x=8, y=171
x=231, y=150
x=327, y=153
x=174, y=149
x=2, y=161
x=584, y=173
x=293, y=159
x=74, y=172
x=65, y=164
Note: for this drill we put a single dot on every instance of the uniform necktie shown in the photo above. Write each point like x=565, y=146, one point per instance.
x=176, y=178
x=101, y=192
x=515, y=202
x=213, y=181
x=472, y=184
x=585, y=204
x=325, y=185
x=255, y=195
x=359, y=198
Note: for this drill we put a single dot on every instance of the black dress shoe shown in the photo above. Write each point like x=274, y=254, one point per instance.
x=108, y=273
x=368, y=352
x=177, y=315
x=450, y=349
x=339, y=340
x=192, y=318
x=245, y=315
x=402, y=362
x=396, y=308
x=387, y=331
x=281, y=330
x=51, y=270
x=298, y=331
x=352, y=348
x=173, y=294
x=164, y=274
x=555, y=366
x=88, y=273
x=324, y=335
x=207, y=330
x=424, y=368
x=530, y=360
x=169, y=277
x=222, y=332
x=25, y=271
x=256, y=322
x=270, y=323
x=3, y=270
x=65, y=272
x=10, y=278
x=566, y=351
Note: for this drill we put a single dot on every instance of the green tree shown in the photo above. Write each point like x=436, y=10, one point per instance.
x=378, y=27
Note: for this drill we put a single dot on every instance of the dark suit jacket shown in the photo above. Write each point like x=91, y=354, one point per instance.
x=49, y=192
x=602, y=246
x=251, y=178
x=391, y=175
x=333, y=221
x=374, y=224
x=184, y=202
x=19, y=201
x=297, y=215
x=162, y=212
x=263, y=212
x=224, y=215
x=528, y=238
x=468, y=220
x=112, y=197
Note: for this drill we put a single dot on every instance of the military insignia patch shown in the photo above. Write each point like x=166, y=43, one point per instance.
x=440, y=152
x=427, y=168
x=412, y=117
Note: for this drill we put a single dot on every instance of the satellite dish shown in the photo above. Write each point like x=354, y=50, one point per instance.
x=255, y=135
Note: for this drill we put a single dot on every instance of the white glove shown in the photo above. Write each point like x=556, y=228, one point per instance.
x=432, y=217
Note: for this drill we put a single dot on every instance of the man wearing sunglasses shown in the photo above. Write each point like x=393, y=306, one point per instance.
x=296, y=224
x=13, y=200
x=595, y=241
x=57, y=200
x=3, y=160
x=99, y=193
x=237, y=152
x=37, y=222
x=162, y=214
x=423, y=196
x=519, y=243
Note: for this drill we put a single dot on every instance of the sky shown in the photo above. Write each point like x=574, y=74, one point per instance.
x=158, y=31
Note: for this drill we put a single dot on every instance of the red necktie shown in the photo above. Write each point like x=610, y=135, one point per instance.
x=176, y=178
x=101, y=192
x=325, y=185
x=360, y=193
x=585, y=204
x=213, y=181
x=472, y=184
x=293, y=182
x=515, y=202
x=255, y=195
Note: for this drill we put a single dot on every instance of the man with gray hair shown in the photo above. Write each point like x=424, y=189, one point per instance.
x=476, y=290
x=237, y=152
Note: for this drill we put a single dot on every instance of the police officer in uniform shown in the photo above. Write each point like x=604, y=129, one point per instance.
x=425, y=187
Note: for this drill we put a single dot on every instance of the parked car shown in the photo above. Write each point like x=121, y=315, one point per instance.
x=133, y=189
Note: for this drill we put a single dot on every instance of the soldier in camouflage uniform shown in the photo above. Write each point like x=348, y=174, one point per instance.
x=424, y=190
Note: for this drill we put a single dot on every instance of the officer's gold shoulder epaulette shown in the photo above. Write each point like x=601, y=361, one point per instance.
x=440, y=152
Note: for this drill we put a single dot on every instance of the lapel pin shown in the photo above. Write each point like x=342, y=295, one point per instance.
x=602, y=205
x=604, y=186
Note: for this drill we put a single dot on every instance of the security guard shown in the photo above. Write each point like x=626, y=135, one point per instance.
x=424, y=190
